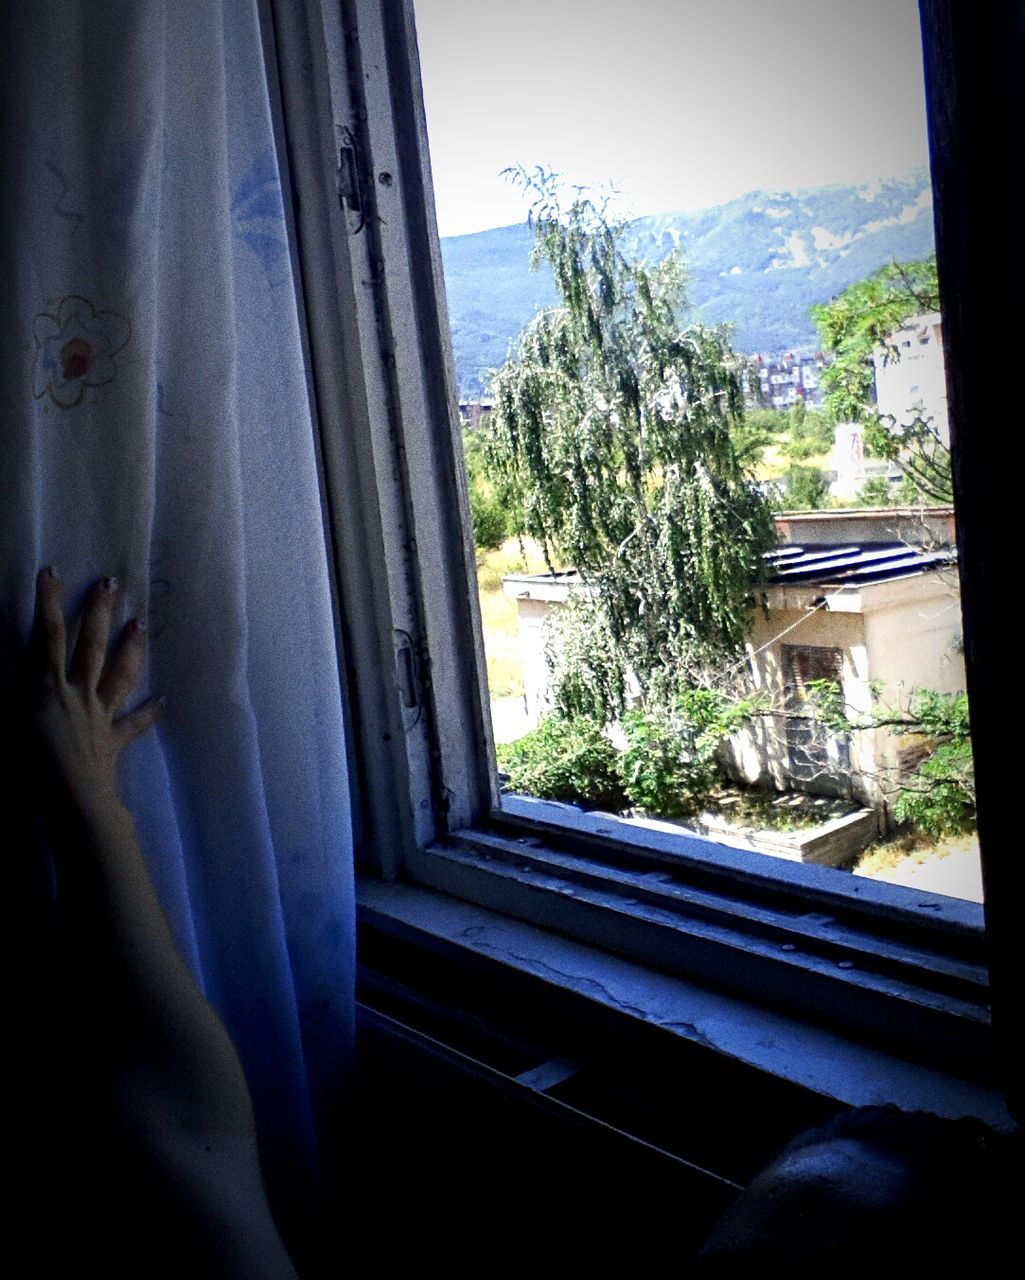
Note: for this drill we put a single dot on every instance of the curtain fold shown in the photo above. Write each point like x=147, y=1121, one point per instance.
x=156, y=425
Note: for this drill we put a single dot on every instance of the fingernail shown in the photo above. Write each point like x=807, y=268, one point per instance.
x=161, y=702
x=110, y=584
x=139, y=624
x=52, y=571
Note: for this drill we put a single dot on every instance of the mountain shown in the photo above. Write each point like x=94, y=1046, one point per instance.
x=758, y=262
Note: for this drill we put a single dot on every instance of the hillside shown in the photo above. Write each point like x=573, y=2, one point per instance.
x=758, y=262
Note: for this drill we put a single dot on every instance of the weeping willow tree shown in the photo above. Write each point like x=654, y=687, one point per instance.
x=612, y=430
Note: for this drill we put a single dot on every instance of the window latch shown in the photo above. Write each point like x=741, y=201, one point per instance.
x=347, y=178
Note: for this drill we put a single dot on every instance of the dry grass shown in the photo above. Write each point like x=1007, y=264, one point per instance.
x=498, y=614
x=773, y=464
x=948, y=866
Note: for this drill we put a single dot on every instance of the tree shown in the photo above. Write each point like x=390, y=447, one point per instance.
x=938, y=795
x=488, y=508
x=614, y=428
x=854, y=326
x=804, y=489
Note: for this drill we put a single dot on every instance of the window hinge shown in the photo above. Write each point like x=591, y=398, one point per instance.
x=405, y=671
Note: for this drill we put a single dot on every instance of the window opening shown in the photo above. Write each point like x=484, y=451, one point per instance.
x=859, y=474
x=816, y=753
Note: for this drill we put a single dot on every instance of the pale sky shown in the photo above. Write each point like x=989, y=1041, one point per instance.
x=681, y=103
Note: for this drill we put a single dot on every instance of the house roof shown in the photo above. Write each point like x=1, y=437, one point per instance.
x=790, y=564
x=853, y=564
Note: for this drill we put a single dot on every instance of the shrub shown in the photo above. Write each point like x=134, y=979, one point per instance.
x=489, y=510
x=876, y=492
x=669, y=766
x=490, y=520
x=939, y=797
x=811, y=434
x=565, y=759
x=804, y=489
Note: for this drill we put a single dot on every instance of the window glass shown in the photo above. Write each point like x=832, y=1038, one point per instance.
x=844, y=689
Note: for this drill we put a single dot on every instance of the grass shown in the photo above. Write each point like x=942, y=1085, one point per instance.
x=911, y=847
x=759, y=809
x=949, y=866
x=498, y=614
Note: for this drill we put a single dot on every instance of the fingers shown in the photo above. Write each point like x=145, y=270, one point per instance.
x=48, y=635
x=124, y=665
x=93, y=634
x=136, y=722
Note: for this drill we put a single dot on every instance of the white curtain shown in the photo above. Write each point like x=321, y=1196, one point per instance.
x=155, y=425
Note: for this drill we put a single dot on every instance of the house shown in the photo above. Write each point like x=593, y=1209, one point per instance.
x=870, y=600
x=474, y=412
x=867, y=598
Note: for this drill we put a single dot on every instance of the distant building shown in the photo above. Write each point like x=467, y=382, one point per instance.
x=789, y=379
x=851, y=467
x=910, y=376
x=473, y=412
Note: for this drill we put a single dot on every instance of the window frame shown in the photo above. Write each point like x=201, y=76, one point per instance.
x=382, y=390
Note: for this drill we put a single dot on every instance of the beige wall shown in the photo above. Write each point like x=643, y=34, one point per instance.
x=760, y=750
x=915, y=642
x=913, y=634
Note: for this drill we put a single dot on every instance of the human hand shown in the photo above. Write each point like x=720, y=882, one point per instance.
x=76, y=705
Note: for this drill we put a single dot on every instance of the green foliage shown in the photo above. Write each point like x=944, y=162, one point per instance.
x=669, y=765
x=876, y=492
x=567, y=759
x=490, y=521
x=613, y=429
x=879, y=492
x=854, y=326
x=860, y=321
x=939, y=798
x=810, y=433
x=588, y=675
x=753, y=433
x=826, y=703
x=489, y=508
x=804, y=489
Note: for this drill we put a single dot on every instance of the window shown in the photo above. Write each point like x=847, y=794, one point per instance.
x=869, y=960
x=814, y=752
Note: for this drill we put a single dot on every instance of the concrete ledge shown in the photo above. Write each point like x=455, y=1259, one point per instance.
x=833, y=844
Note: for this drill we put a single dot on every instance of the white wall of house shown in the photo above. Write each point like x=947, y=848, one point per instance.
x=910, y=374
x=917, y=526
x=913, y=633
x=761, y=750
x=531, y=615
x=894, y=636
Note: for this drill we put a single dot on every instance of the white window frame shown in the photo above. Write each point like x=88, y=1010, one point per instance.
x=869, y=958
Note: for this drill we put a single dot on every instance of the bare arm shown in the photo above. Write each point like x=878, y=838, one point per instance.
x=174, y=1073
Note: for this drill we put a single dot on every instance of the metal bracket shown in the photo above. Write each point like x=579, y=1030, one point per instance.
x=349, y=186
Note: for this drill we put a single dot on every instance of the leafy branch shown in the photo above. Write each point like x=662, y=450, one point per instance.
x=854, y=326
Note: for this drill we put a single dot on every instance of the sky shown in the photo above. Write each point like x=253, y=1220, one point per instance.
x=680, y=104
